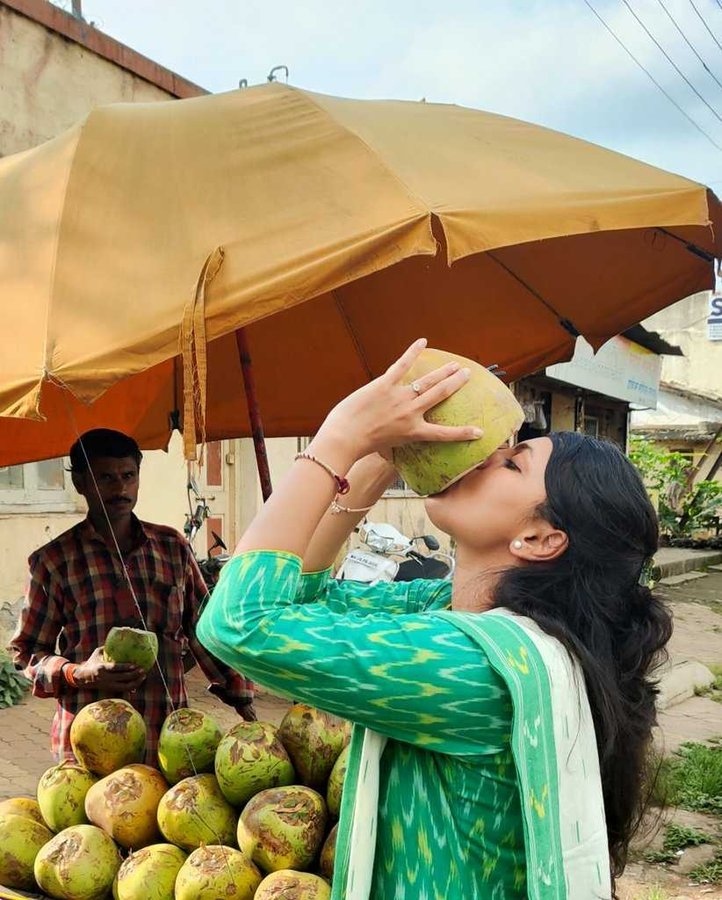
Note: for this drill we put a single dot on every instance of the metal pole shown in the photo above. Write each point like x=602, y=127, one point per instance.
x=254, y=413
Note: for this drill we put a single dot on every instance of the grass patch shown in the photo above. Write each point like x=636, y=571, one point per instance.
x=690, y=778
x=676, y=838
x=708, y=873
x=654, y=893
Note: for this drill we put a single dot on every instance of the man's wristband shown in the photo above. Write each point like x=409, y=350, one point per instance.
x=67, y=670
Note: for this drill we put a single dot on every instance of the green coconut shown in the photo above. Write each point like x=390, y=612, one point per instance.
x=131, y=645
x=195, y=812
x=328, y=854
x=80, y=863
x=22, y=806
x=213, y=872
x=187, y=744
x=314, y=739
x=429, y=467
x=249, y=759
x=334, y=789
x=21, y=839
x=107, y=735
x=283, y=828
x=61, y=795
x=125, y=805
x=289, y=885
x=149, y=873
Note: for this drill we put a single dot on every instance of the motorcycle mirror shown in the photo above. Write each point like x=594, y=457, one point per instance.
x=430, y=541
x=218, y=541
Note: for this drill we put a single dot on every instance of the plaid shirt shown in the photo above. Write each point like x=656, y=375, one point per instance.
x=78, y=591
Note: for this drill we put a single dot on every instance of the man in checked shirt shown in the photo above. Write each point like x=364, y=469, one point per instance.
x=81, y=585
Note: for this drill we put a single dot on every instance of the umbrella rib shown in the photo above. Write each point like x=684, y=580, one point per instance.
x=566, y=324
x=692, y=248
x=352, y=334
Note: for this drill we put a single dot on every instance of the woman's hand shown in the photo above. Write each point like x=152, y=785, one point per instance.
x=379, y=416
x=387, y=413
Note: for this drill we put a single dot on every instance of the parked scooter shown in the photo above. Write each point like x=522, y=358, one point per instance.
x=394, y=557
x=195, y=517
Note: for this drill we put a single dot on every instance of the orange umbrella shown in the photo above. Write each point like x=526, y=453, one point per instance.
x=327, y=234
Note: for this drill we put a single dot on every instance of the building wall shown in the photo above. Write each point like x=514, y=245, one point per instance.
x=700, y=369
x=50, y=83
x=53, y=71
x=685, y=324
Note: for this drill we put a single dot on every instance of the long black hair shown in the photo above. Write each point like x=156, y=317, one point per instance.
x=591, y=599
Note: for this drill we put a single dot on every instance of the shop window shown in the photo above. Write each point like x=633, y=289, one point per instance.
x=591, y=426
x=537, y=416
x=36, y=487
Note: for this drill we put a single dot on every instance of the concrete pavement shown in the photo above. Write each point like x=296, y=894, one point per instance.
x=677, y=560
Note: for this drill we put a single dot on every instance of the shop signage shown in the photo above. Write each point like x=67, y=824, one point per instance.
x=714, y=318
x=620, y=369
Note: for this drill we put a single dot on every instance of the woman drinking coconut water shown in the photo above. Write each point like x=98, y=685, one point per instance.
x=506, y=717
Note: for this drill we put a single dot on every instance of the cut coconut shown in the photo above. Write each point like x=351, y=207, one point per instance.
x=429, y=467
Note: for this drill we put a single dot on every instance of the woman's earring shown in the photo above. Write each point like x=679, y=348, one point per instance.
x=517, y=545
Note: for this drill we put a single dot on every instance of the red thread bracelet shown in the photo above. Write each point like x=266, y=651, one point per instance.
x=68, y=673
x=342, y=484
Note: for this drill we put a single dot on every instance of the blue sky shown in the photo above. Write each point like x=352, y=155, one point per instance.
x=546, y=61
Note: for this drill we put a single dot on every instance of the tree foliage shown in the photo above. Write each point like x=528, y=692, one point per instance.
x=684, y=507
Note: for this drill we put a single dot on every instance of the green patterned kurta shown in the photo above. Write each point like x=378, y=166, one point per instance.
x=450, y=823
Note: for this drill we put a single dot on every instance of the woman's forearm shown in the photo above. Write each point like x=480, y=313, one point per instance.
x=369, y=478
x=291, y=515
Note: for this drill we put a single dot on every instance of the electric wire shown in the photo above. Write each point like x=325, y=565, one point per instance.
x=652, y=78
x=671, y=61
x=689, y=43
x=703, y=21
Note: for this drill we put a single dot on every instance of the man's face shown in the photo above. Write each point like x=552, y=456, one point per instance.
x=111, y=489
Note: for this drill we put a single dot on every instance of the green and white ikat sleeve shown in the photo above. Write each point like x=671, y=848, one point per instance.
x=388, y=597
x=375, y=654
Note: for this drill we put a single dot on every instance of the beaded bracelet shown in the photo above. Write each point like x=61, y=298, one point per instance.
x=337, y=509
x=342, y=484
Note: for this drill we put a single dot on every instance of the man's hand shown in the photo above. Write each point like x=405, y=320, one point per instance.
x=246, y=711
x=244, y=708
x=109, y=677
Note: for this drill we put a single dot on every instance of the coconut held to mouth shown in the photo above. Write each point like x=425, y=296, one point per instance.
x=429, y=467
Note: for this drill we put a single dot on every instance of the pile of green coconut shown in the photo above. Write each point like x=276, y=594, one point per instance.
x=251, y=813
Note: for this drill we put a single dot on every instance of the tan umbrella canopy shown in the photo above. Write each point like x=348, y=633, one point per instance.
x=333, y=232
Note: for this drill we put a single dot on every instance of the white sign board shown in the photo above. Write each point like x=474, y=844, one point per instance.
x=620, y=369
x=714, y=318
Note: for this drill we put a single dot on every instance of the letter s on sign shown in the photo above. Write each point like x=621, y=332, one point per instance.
x=715, y=305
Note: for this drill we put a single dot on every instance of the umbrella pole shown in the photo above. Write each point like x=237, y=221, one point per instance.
x=254, y=413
